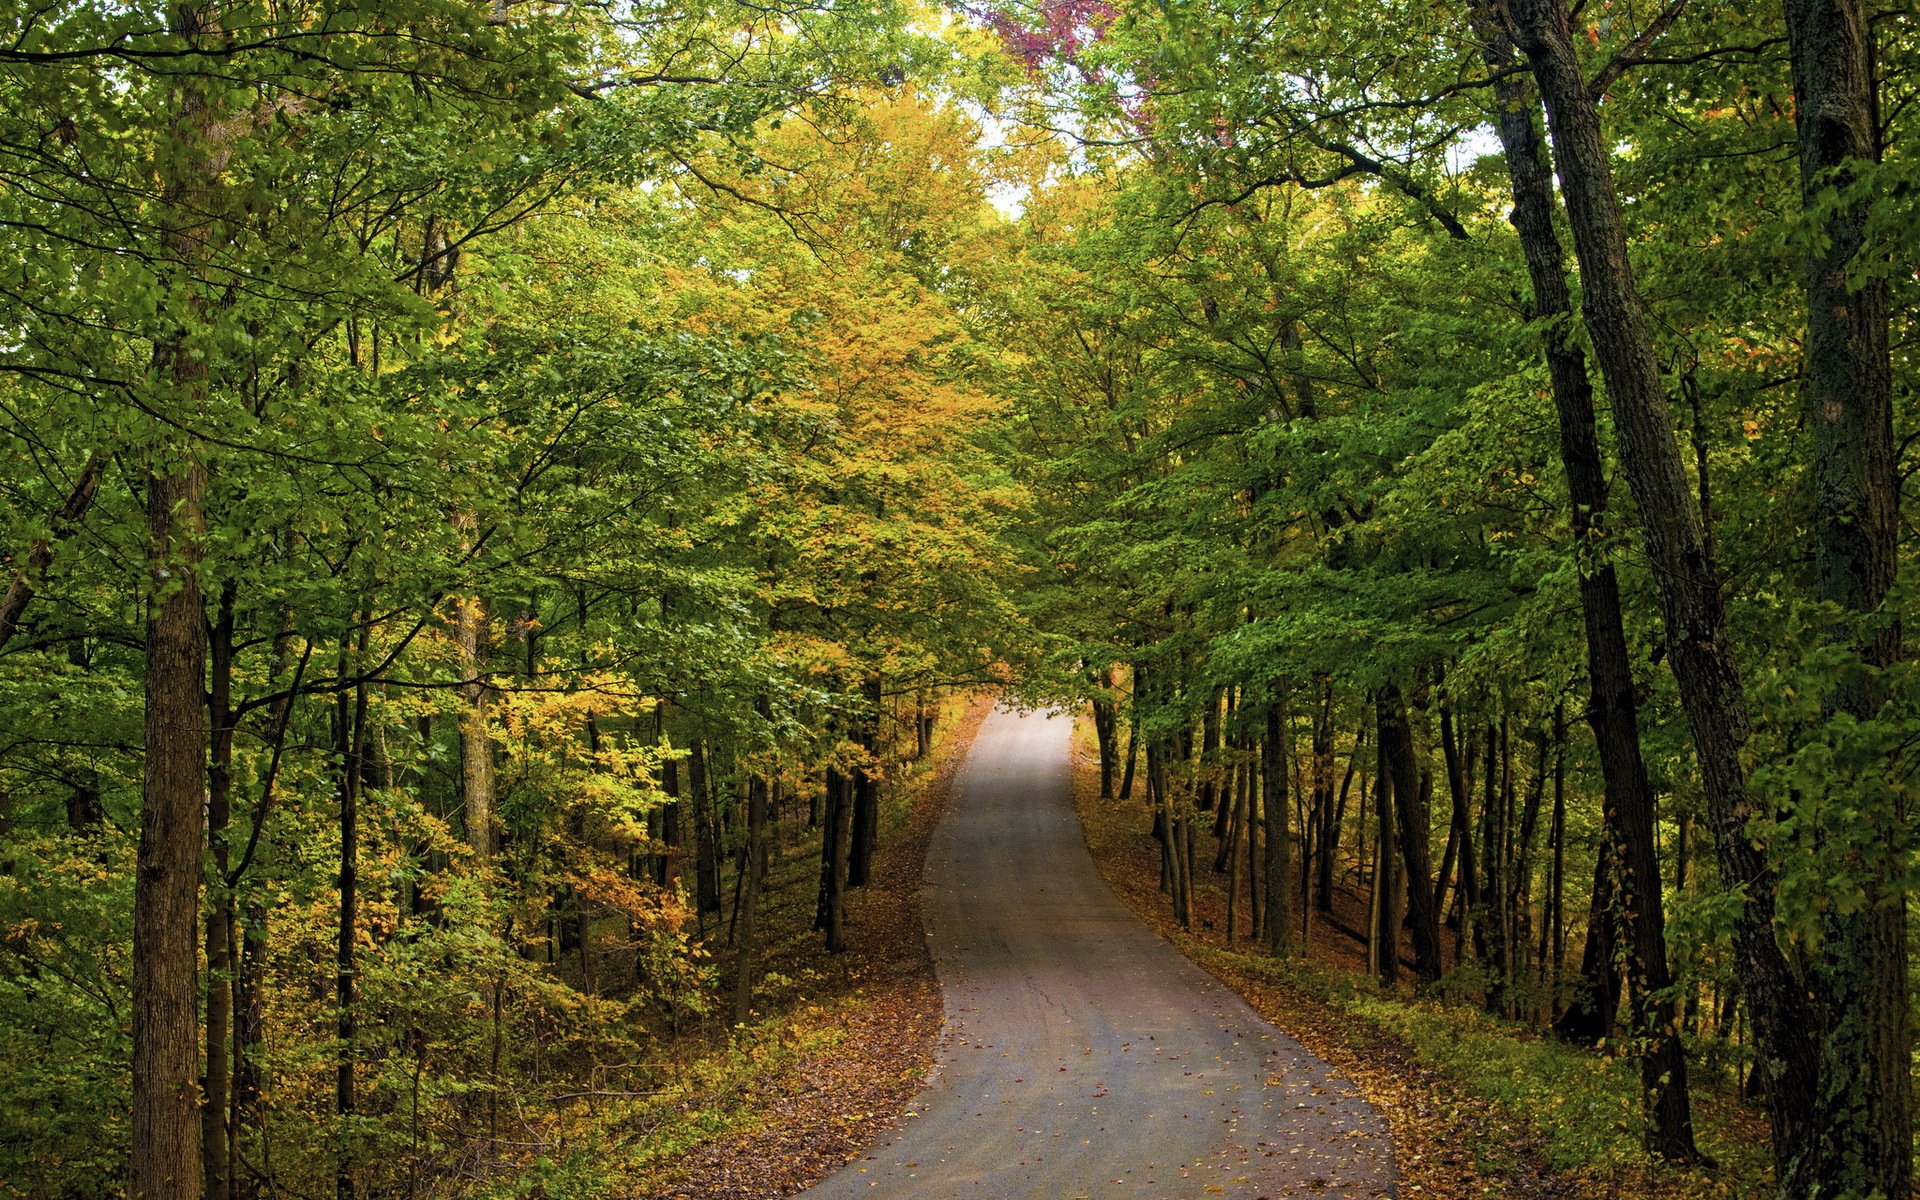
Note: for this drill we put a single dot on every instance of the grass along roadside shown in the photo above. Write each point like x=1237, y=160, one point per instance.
x=1478, y=1107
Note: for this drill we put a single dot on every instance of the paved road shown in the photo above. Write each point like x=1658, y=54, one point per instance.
x=1083, y=1056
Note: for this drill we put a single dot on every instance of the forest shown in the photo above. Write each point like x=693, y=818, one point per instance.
x=511, y=503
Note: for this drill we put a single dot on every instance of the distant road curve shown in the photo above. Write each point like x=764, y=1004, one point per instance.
x=1083, y=1056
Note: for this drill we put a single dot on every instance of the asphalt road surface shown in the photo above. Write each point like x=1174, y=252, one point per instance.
x=1083, y=1056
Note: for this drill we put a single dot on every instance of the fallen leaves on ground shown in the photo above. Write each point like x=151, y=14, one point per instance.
x=883, y=998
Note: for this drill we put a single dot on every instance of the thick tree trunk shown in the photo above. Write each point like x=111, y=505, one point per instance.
x=1864, y=1120
x=1688, y=584
x=166, y=908
x=166, y=1054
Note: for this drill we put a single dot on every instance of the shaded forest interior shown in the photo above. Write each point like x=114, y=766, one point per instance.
x=507, y=497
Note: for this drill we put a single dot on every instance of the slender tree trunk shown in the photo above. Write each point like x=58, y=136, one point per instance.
x=250, y=1019
x=1383, y=934
x=1613, y=711
x=1410, y=801
x=350, y=718
x=1688, y=584
x=215, y=1103
x=39, y=556
x=835, y=825
x=866, y=790
x=1491, y=928
x=1104, y=730
x=476, y=742
x=1273, y=795
x=747, y=906
x=706, y=831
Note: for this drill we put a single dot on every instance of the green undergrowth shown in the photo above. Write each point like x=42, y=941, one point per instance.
x=1583, y=1103
x=631, y=1144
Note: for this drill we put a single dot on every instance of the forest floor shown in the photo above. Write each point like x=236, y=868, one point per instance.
x=1477, y=1107
x=846, y=1041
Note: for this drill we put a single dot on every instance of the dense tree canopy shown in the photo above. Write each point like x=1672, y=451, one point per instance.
x=491, y=478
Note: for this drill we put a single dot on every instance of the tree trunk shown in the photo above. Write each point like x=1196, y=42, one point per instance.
x=350, y=730
x=747, y=906
x=706, y=831
x=1491, y=927
x=1688, y=584
x=215, y=1102
x=1280, y=917
x=476, y=743
x=866, y=790
x=1383, y=932
x=1410, y=801
x=1104, y=731
x=835, y=825
x=1613, y=711
x=1864, y=1119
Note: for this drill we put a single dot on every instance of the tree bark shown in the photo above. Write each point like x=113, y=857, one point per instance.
x=1687, y=581
x=215, y=1102
x=1280, y=916
x=835, y=825
x=166, y=1053
x=1411, y=824
x=866, y=789
x=476, y=742
x=746, y=909
x=1866, y=1113
x=1613, y=711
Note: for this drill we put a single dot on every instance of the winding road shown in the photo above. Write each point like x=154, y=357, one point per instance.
x=1083, y=1056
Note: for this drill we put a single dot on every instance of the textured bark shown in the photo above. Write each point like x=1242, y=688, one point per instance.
x=1412, y=830
x=747, y=906
x=166, y=1052
x=866, y=790
x=1281, y=920
x=476, y=743
x=1684, y=573
x=215, y=1105
x=836, y=823
x=1864, y=1112
x=706, y=832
